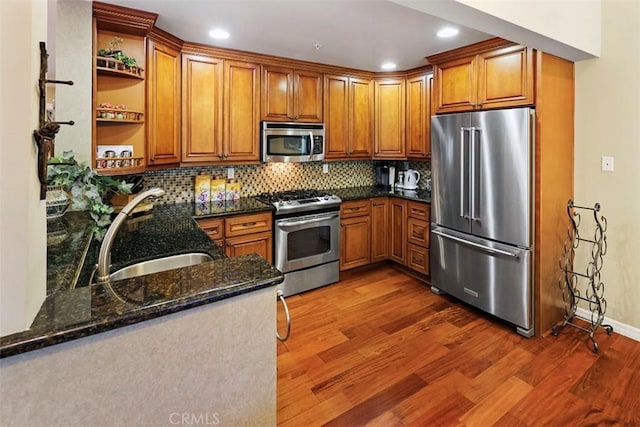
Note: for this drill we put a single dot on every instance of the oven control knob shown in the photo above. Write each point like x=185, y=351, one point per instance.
x=327, y=197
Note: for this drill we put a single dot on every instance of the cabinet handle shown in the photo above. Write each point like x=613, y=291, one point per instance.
x=286, y=313
x=153, y=158
x=354, y=209
x=221, y=156
x=249, y=224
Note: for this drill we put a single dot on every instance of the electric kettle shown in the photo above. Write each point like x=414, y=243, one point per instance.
x=411, y=178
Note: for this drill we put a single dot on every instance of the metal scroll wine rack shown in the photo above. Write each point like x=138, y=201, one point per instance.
x=572, y=282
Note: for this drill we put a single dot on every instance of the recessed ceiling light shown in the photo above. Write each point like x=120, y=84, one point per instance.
x=388, y=66
x=219, y=34
x=447, y=32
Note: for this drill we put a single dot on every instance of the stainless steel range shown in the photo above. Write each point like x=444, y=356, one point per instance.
x=306, y=238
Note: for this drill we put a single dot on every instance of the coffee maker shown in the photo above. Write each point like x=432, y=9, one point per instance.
x=385, y=175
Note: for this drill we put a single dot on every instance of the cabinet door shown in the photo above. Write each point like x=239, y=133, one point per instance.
x=505, y=78
x=419, y=115
x=241, y=133
x=277, y=95
x=379, y=229
x=361, y=117
x=389, y=118
x=307, y=96
x=201, y=109
x=336, y=116
x=163, y=91
x=355, y=248
x=455, y=85
x=258, y=243
x=398, y=230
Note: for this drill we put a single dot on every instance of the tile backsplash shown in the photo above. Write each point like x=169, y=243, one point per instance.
x=178, y=183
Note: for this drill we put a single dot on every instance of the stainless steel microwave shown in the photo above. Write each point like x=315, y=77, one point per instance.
x=292, y=142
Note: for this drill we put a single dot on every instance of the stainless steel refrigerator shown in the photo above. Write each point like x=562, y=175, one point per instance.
x=482, y=211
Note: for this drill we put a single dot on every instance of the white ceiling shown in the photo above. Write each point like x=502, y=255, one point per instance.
x=360, y=34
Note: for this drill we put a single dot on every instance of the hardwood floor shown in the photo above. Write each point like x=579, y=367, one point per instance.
x=379, y=349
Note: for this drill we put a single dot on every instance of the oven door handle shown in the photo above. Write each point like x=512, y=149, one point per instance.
x=290, y=223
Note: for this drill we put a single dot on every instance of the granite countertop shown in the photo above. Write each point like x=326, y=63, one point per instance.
x=75, y=308
x=356, y=193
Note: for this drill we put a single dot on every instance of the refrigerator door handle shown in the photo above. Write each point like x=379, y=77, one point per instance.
x=477, y=245
x=472, y=185
x=462, y=157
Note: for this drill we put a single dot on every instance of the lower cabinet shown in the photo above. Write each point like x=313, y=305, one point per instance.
x=385, y=228
x=398, y=230
x=379, y=229
x=241, y=234
x=355, y=234
x=418, y=232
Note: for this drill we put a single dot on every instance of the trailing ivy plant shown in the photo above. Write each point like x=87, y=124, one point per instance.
x=88, y=190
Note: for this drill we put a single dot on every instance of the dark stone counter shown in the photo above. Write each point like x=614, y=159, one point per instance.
x=356, y=193
x=75, y=308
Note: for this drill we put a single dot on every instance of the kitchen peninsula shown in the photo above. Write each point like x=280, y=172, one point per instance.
x=199, y=338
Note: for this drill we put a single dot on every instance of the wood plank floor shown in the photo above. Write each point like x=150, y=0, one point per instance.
x=379, y=349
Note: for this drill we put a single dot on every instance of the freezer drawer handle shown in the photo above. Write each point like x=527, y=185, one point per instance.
x=477, y=245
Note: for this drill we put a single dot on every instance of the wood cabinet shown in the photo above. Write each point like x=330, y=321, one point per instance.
x=241, y=111
x=291, y=95
x=201, y=108
x=220, y=111
x=398, y=230
x=119, y=98
x=379, y=229
x=418, y=234
x=489, y=76
x=355, y=234
x=389, y=119
x=418, y=126
x=348, y=114
x=241, y=234
x=163, y=99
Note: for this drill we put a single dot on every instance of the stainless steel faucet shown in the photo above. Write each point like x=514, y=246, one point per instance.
x=104, y=258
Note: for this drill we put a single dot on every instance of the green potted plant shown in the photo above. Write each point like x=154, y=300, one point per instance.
x=87, y=189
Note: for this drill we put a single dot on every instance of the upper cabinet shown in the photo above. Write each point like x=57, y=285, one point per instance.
x=348, y=105
x=484, y=76
x=201, y=108
x=389, y=119
x=291, y=95
x=163, y=99
x=119, y=91
x=418, y=127
x=241, y=111
x=220, y=110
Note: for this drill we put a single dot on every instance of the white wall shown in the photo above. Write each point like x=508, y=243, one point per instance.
x=566, y=28
x=608, y=123
x=73, y=59
x=22, y=214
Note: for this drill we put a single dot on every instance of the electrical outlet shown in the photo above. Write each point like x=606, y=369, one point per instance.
x=607, y=163
x=325, y=168
x=231, y=173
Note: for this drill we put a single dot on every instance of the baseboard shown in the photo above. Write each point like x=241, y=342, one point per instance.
x=618, y=327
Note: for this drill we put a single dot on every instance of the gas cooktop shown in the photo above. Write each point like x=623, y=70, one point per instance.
x=300, y=200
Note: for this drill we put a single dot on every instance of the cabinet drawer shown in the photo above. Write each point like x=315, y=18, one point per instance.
x=418, y=210
x=247, y=224
x=418, y=232
x=355, y=208
x=418, y=258
x=214, y=227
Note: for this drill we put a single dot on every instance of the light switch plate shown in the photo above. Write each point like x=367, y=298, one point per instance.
x=231, y=173
x=607, y=163
x=325, y=168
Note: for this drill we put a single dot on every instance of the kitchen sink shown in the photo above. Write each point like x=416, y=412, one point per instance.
x=160, y=264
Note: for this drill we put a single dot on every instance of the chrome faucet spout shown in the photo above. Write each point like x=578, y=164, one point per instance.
x=104, y=258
